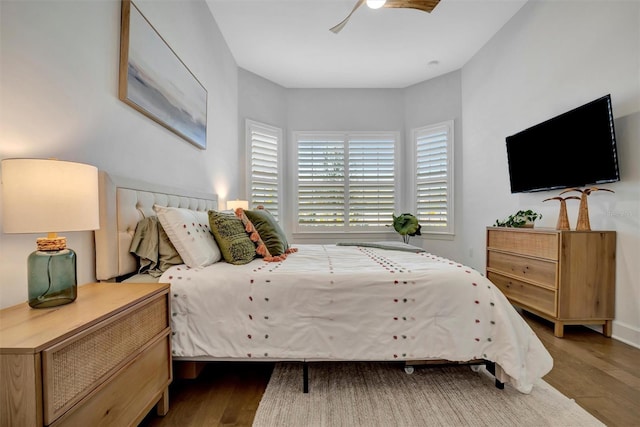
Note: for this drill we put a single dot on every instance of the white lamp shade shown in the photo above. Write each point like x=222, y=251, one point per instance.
x=232, y=205
x=49, y=196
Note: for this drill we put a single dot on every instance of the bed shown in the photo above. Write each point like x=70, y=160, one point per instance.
x=385, y=301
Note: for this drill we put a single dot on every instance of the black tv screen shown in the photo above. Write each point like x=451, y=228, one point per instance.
x=574, y=149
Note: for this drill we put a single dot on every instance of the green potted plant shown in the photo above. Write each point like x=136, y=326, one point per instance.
x=406, y=225
x=519, y=219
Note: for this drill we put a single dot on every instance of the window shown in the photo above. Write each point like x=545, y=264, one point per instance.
x=346, y=181
x=433, y=182
x=263, y=165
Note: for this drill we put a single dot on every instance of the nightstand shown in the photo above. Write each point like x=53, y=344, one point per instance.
x=104, y=359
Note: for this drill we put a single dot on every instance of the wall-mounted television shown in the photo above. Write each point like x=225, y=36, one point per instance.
x=574, y=149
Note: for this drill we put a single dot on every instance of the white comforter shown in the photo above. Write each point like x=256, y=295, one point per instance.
x=329, y=302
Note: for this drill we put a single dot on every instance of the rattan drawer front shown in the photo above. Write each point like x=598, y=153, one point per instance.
x=76, y=366
x=543, y=245
x=530, y=269
x=110, y=406
x=526, y=294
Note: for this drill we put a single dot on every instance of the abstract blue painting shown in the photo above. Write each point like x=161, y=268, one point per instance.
x=154, y=80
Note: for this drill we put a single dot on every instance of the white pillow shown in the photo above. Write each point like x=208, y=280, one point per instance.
x=190, y=233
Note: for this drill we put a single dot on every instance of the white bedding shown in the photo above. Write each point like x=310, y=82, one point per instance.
x=328, y=302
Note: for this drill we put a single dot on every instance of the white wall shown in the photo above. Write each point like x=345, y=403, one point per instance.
x=435, y=101
x=263, y=101
x=398, y=110
x=58, y=98
x=550, y=57
x=340, y=110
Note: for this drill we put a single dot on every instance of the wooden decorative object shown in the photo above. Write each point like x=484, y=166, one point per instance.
x=583, y=212
x=563, y=218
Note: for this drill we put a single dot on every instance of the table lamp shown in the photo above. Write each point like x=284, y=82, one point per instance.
x=232, y=205
x=49, y=196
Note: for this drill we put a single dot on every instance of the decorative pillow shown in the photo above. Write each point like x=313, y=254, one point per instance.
x=269, y=230
x=235, y=245
x=254, y=236
x=190, y=234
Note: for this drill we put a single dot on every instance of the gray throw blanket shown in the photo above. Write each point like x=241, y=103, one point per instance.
x=392, y=246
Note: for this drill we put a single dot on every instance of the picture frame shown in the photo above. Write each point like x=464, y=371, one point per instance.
x=154, y=80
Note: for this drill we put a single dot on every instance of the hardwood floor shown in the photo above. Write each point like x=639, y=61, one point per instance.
x=601, y=374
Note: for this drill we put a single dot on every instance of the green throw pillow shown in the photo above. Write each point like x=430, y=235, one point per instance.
x=269, y=231
x=234, y=243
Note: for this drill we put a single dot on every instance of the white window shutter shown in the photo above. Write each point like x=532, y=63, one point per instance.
x=346, y=181
x=321, y=181
x=264, y=166
x=371, y=180
x=434, y=177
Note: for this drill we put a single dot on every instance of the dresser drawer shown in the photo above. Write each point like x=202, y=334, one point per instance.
x=142, y=378
x=77, y=366
x=526, y=294
x=536, y=244
x=530, y=269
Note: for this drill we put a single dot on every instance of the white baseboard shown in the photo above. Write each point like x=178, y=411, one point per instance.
x=626, y=333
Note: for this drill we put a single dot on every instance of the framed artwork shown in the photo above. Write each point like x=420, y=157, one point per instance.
x=154, y=80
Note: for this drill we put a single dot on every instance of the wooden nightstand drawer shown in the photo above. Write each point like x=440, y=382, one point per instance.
x=529, y=269
x=108, y=405
x=522, y=242
x=536, y=297
x=75, y=367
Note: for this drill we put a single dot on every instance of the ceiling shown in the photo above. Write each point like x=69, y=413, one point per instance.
x=289, y=43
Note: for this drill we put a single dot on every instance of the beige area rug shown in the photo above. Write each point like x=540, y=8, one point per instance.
x=382, y=394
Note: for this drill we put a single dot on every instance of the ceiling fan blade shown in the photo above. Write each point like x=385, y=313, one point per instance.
x=341, y=25
x=423, y=5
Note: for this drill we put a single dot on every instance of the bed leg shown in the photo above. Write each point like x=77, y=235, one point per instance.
x=305, y=377
x=491, y=367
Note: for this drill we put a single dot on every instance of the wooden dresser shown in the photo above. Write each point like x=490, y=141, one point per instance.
x=104, y=359
x=567, y=277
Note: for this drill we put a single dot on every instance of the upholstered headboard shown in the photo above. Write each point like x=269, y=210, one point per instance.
x=123, y=203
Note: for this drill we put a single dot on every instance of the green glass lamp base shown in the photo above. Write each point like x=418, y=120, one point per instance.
x=52, y=278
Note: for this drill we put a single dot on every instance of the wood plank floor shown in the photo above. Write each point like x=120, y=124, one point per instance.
x=601, y=374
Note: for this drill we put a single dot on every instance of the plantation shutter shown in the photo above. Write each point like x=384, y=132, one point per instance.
x=321, y=181
x=433, y=185
x=345, y=181
x=264, y=168
x=371, y=180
